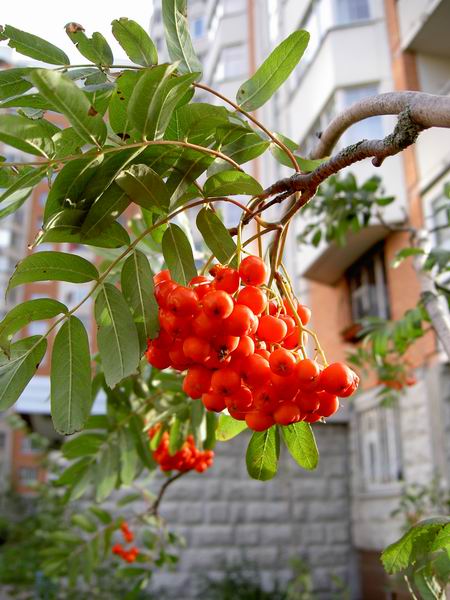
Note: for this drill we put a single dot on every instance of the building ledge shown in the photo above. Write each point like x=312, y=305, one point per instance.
x=332, y=263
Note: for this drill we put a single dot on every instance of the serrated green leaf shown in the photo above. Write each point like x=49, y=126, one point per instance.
x=178, y=254
x=300, y=442
x=66, y=226
x=104, y=211
x=27, y=179
x=102, y=515
x=231, y=182
x=273, y=72
x=137, y=288
x=228, y=428
x=53, y=266
x=178, y=39
x=216, y=236
x=35, y=47
x=74, y=472
x=84, y=523
x=83, y=445
x=135, y=41
x=17, y=371
x=196, y=123
x=22, y=314
x=262, y=454
x=107, y=471
x=33, y=137
x=118, y=106
x=69, y=100
x=70, y=377
x=96, y=49
x=70, y=183
x=128, y=456
x=154, y=99
x=12, y=82
x=117, y=337
x=145, y=187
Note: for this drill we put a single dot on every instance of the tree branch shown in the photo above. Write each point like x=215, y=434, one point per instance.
x=404, y=134
x=426, y=110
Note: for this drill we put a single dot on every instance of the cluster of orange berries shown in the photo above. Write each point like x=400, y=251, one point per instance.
x=128, y=536
x=187, y=458
x=242, y=351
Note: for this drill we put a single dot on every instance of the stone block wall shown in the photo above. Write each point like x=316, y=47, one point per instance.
x=229, y=520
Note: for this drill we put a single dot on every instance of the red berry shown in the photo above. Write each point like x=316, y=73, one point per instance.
x=240, y=401
x=336, y=378
x=259, y=421
x=196, y=348
x=282, y=362
x=253, y=271
x=157, y=357
x=213, y=402
x=254, y=298
x=307, y=371
x=218, y=304
x=162, y=290
x=227, y=279
x=225, y=381
x=329, y=404
x=245, y=347
x=240, y=321
x=197, y=381
x=182, y=301
x=255, y=370
x=161, y=276
x=265, y=398
x=287, y=413
x=271, y=329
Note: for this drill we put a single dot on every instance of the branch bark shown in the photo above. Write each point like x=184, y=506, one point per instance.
x=434, y=302
x=427, y=110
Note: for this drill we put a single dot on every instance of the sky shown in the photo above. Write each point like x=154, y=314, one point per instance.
x=47, y=19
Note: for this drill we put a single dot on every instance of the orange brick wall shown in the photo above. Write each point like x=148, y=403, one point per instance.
x=21, y=459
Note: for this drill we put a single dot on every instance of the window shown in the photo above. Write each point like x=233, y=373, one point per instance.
x=2, y=440
x=28, y=475
x=379, y=446
x=370, y=128
x=367, y=283
x=198, y=27
x=28, y=445
x=350, y=11
x=232, y=63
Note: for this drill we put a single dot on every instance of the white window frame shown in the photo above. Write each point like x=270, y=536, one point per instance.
x=23, y=476
x=379, y=448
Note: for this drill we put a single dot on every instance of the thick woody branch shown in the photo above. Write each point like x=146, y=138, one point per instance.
x=404, y=134
x=426, y=110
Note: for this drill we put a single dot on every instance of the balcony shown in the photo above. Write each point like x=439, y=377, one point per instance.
x=424, y=26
